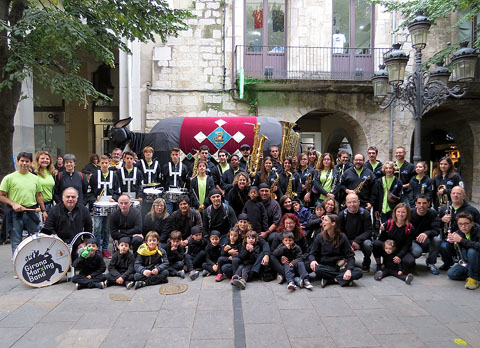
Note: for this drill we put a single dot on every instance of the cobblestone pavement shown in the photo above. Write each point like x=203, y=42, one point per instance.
x=433, y=312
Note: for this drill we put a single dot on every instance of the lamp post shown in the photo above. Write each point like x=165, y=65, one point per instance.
x=421, y=91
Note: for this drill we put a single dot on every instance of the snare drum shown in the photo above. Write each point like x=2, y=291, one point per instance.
x=135, y=203
x=174, y=194
x=41, y=260
x=104, y=208
x=151, y=194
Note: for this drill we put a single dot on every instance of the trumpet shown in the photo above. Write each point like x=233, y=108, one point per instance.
x=447, y=227
x=443, y=198
x=461, y=260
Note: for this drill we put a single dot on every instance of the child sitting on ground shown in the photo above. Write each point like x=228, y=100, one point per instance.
x=243, y=264
x=195, y=256
x=151, y=263
x=91, y=266
x=390, y=266
x=120, y=268
x=229, y=250
x=175, y=253
x=291, y=257
x=303, y=214
x=212, y=251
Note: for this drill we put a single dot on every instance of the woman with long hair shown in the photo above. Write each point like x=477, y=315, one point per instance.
x=306, y=175
x=238, y=194
x=288, y=177
x=158, y=220
x=401, y=231
x=286, y=204
x=331, y=206
x=312, y=158
x=267, y=175
x=331, y=257
x=43, y=167
x=324, y=179
x=446, y=179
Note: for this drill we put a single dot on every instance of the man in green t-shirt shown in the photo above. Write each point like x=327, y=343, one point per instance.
x=21, y=191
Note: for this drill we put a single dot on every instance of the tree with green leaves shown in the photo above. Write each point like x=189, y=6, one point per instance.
x=435, y=10
x=49, y=40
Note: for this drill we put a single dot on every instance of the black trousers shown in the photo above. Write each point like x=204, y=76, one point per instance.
x=112, y=280
x=196, y=261
x=392, y=272
x=408, y=261
x=94, y=282
x=334, y=272
x=161, y=277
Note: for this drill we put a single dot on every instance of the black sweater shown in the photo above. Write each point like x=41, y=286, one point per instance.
x=351, y=180
x=430, y=223
x=174, y=255
x=195, y=247
x=121, y=265
x=156, y=260
x=294, y=254
x=66, y=227
x=257, y=215
x=213, y=252
x=324, y=252
x=125, y=226
x=357, y=227
x=402, y=236
x=92, y=265
x=161, y=226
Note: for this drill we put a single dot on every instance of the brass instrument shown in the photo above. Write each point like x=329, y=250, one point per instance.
x=461, y=260
x=289, y=191
x=195, y=164
x=337, y=178
x=290, y=141
x=274, y=183
x=309, y=182
x=442, y=199
x=254, y=154
x=319, y=161
x=447, y=227
x=101, y=194
x=360, y=186
x=422, y=190
x=259, y=151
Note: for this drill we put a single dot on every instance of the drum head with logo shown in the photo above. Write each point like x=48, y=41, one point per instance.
x=41, y=260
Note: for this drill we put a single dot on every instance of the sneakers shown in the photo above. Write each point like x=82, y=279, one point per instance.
x=102, y=285
x=78, y=286
x=472, y=284
x=205, y=273
x=234, y=278
x=378, y=275
x=106, y=254
x=298, y=282
x=433, y=269
x=193, y=274
x=139, y=284
x=291, y=286
x=378, y=267
x=306, y=284
x=280, y=279
x=219, y=277
x=240, y=283
x=130, y=285
x=409, y=279
x=323, y=283
x=181, y=274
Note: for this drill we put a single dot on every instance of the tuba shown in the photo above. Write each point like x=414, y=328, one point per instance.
x=257, y=150
x=290, y=141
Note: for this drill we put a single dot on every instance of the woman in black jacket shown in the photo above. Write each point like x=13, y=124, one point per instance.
x=200, y=187
x=158, y=220
x=446, y=179
x=238, y=195
x=387, y=192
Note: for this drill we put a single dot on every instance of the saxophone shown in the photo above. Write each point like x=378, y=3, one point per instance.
x=309, y=182
x=258, y=156
x=274, y=183
x=289, y=192
x=360, y=186
x=442, y=199
x=254, y=154
x=195, y=164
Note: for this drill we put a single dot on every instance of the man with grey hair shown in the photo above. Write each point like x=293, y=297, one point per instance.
x=70, y=178
x=68, y=218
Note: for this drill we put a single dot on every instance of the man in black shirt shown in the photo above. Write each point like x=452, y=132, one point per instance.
x=373, y=164
x=218, y=216
x=354, y=177
x=127, y=222
x=406, y=171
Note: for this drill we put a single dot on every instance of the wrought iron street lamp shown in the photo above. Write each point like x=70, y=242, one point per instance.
x=420, y=91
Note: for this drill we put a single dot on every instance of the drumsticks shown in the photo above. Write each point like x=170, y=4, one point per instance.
x=37, y=210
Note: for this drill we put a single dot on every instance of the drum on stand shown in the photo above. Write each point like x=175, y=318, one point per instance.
x=151, y=194
x=104, y=208
x=41, y=260
x=174, y=194
x=135, y=203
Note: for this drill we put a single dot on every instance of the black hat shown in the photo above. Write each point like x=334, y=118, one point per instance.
x=245, y=146
x=243, y=216
x=91, y=241
x=253, y=188
x=124, y=240
x=195, y=230
x=215, y=192
x=215, y=233
x=263, y=185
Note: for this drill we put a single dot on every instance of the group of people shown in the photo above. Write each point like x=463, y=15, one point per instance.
x=293, y=219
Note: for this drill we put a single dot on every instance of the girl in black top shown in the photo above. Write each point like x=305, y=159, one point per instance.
x=420, y=184
x=446, y=179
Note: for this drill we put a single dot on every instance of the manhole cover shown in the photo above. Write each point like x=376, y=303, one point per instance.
x=173, y=288
x=119, y=297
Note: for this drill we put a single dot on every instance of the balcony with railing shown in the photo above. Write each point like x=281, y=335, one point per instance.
x=307, y=63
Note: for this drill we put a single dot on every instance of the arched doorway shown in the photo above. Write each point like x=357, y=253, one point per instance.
x=332, y=130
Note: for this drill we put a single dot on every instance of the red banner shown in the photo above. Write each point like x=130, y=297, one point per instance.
x=227, y=133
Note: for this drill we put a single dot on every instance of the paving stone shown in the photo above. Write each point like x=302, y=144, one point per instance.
x=145, y=301
x=27, y=315
x=445, y=344
x=303, y=323
x=169, y=338
x=135, y=321
x=119, y=337
x=173, y=317
x=213, y=325
x=215, y=300
x=188, y=299
x=43, y=335
x=349, y=332
x=11, y=301
x=80, y=338
x=11, y=335
x=266, y=335
x=400, y=341
x=381, y=321
x=447, y=312
x=402, y=306
x=469, y=332
x=428, y=328
x=97, y=320
x=268, y=314
x=308, y=342
x=293, y=300
x=223, y=343
x=331, y=307
x=362, y=300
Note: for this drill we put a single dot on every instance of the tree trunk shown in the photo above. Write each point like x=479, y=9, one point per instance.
x=8, y=105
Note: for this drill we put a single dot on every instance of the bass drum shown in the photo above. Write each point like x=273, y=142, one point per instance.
x=41, y=260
